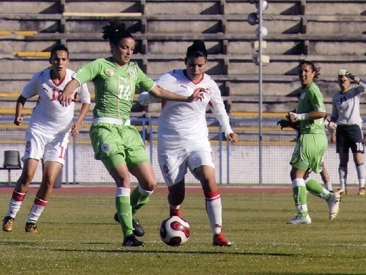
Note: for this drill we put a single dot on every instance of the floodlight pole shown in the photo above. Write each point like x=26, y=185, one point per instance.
x=260, y=90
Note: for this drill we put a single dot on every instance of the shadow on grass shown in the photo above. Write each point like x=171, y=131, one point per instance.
x=138, y=250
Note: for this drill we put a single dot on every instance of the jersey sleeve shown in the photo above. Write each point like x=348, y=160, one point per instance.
x=316, y=99
x=143, y=81
x=88, y=72
x=84, y=94
x=334, y=108
x=31, y=88
x=218, y=109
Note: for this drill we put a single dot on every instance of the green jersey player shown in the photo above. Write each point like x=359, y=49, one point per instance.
x=115, y=142
x=310, y=146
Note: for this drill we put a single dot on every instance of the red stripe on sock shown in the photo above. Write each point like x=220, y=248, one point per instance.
x=40, y=202
x=210, y=196
x=17, y=196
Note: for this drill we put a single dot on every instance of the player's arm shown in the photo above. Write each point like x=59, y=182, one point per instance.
x=66, y=98
x=161, y=93
x=312, y=115
x=75, y=128
x=18, y=110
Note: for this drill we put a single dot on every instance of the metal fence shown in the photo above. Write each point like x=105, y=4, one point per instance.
x=235, y=163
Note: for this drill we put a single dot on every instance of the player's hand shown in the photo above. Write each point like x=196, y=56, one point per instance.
x=18, y=120
x=65, y=100
x=232, y=137
x=198, y=94
x=284, y=123
x=75, y=129
x=350, y=75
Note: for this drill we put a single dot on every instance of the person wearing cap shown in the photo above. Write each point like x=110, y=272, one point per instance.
x=346, y=114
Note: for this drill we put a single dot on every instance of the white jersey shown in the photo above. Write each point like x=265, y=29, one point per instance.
x=183, y=125
x=49, y=116
x=346, y=106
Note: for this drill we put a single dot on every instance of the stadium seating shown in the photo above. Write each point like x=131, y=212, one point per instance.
x=298, y=30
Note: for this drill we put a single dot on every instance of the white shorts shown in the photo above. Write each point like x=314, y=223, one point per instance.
x=174, y=164
x=49, y=147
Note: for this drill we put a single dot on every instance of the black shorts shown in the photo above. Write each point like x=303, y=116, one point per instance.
x=349, y=136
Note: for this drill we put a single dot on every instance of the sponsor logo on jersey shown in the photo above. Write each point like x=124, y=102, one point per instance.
x=165, y=169
x=109, y=72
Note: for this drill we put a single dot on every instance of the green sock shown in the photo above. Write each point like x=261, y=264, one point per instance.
x=125, y=215
x=300, y=197
x=138, y=200
x=317, y=189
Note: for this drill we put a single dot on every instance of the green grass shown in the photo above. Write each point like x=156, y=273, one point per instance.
x=79, y=236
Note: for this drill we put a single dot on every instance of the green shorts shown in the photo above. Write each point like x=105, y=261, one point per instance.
x=309, y=152
x=116, y=144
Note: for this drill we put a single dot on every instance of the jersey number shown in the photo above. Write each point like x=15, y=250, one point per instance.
x=124, y=92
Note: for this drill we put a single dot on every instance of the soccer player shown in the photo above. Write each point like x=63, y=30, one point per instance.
x=310, y=146
x=115, y=142
x=346, y=114
x=48, y=134
x=183, y=136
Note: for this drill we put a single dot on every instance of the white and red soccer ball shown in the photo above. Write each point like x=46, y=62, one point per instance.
x=174, y=231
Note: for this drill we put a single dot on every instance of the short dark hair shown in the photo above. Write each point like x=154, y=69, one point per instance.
x=59, y=48
x=313, y=67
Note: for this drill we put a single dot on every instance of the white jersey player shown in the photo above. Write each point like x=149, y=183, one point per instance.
x=47, y=136
x=183, y=141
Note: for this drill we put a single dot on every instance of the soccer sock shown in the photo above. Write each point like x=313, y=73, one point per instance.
x=342, y=170
x=214, y=210
x=174, y=210
x=36, y=210
x=361, y=174
x=124, y=210
x=317, y=189
x=15, y=204
x=139, y=198
x=328, y=186
x=300, y=196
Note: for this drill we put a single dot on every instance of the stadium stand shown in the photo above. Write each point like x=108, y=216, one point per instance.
x=298, y=30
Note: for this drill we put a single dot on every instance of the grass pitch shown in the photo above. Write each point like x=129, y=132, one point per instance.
x=77, y=235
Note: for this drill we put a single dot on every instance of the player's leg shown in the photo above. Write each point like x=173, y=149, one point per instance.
x=342, y=149
x=357, y=147
x=326, y=178
x=107, y=141
x=297, y=174
x=176, y=196
x=53, y=160
x=34, y=149
x=201, y=165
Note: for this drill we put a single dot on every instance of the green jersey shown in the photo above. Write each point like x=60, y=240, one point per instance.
x=311, y=99
x=114, y=86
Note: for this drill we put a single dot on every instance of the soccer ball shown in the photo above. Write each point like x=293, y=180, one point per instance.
x=174, y=231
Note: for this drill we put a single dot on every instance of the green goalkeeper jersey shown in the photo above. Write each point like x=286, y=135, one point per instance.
x=114, y=86
x=311, y=99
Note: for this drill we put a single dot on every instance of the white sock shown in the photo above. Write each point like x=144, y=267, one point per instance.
x=36, y=210
x=214, y=211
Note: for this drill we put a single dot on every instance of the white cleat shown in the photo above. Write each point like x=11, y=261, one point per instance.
x=300, y=220
x=333, y=204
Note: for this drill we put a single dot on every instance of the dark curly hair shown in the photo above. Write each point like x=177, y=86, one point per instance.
x=115, y=31
x=197, y=49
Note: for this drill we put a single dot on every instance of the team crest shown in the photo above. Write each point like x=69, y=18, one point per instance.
x=105, y=147
x=109, y=72
x=302, y=95
x=131, y=72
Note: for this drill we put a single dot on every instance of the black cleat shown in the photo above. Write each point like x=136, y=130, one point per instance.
x=138, y=230
x=132, y=241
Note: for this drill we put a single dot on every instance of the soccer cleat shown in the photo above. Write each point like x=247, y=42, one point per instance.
x=342, y=191
x=31, y=227
x=132, y=241
x=362, y=191
x=333, y=204
x=175, y=212
x=300, y=220
x=220, y=240
x=8, y=223
x=138, y=230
